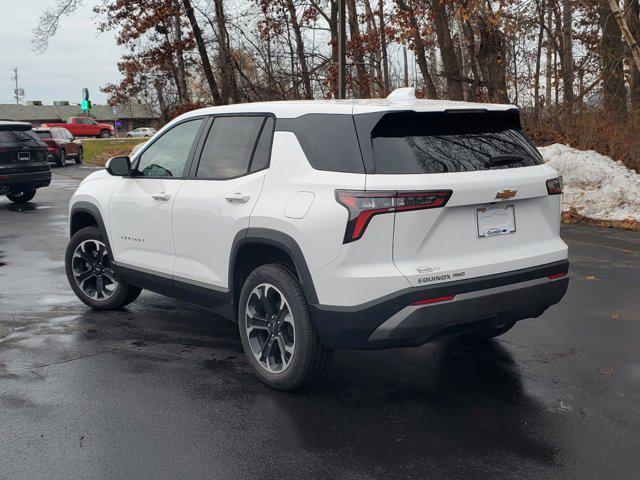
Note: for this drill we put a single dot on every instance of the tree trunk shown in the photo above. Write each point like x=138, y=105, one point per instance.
x=567, y=57
x=624, y=28
x=548, y=64
x=202, y=50
x=419, y=50
x=612, y=57
x=228, y=86
x=357, y=51
x=161, y=103
x=464, y=59
x=183, y=92
x=632, y=17
x=536, y=78
x=383, y=49
x=491, y=57
x=447, y=52
x=302, y=59
x=469, y=33
x=372, y=32
x=333, y=29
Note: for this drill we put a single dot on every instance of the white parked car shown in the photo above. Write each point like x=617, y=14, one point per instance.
x=144, y=132
x=319, y=225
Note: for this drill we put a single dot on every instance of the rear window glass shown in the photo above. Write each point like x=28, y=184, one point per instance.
x=438, y=142
x=44, y=134
x=329, y=141
x=14, y=136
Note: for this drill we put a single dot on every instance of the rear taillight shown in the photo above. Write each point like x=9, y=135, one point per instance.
x=554, y=186
x=362, y=206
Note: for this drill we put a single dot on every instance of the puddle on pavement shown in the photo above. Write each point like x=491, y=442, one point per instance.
x=58, y=299
x=22, y=207
x=37, y=341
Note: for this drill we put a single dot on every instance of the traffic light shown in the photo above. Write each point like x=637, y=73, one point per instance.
x=85, y=105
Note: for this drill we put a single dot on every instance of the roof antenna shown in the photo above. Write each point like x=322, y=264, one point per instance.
x=404, y=93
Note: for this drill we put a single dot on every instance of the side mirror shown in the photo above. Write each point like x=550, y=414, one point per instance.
x=119, y=166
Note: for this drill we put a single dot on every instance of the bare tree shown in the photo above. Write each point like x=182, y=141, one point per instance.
x=202, y=50
x=49, y=22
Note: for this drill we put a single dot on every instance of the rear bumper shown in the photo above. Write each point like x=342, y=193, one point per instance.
x=20, y=182
x=475, y=304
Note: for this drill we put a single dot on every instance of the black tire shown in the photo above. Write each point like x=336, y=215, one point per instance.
x=129, y=135
x=61, y=160
x=484, y=335
x=309, y=358
x=121, y=295
x=80, y=155
x=104, y=134
x=21, y=197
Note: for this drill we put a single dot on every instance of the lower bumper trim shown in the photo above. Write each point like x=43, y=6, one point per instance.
x=476, y=304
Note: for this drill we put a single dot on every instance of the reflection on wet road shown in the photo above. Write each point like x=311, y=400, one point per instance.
x=162, y=389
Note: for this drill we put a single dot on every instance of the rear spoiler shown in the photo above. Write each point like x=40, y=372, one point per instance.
x=15, y=126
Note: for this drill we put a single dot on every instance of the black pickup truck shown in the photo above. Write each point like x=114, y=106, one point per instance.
x=24, y=164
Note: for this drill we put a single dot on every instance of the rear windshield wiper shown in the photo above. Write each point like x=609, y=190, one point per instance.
x=505, y=159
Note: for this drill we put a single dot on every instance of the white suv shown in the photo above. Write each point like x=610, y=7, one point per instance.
x=329, y=224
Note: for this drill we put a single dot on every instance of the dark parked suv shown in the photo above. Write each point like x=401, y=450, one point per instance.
x=23, y=162
x=61, y=145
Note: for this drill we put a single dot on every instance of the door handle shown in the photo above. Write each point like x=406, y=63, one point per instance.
x=237, y=198
x=161, y=196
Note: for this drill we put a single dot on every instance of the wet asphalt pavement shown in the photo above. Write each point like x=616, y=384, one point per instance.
x=162, y=389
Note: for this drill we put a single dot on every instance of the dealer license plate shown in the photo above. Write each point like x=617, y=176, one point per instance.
x=495, y=220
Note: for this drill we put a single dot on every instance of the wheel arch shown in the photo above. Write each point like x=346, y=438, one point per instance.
x=85, y=214
x=253, y=247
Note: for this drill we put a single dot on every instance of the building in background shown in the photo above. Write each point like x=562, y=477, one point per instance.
x=126, y=117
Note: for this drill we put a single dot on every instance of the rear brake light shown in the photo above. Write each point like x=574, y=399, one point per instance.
x=362, y=206
x=554, y=186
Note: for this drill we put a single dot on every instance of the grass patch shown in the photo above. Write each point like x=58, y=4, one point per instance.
x=98, y=150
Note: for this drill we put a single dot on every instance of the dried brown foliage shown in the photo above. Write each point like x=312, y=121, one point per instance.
x=572, y=216
x=607, y=133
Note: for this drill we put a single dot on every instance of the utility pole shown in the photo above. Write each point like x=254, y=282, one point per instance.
x=16, y=92
x=342, y=50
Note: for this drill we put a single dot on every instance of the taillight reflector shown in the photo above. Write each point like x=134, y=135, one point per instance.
x=426, y=301
x=557, y=275
x=362, y=206
x=554, y=186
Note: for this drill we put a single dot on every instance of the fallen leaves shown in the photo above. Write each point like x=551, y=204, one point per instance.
x=572, y=216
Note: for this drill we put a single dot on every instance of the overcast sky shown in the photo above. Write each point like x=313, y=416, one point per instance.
x=78, y=56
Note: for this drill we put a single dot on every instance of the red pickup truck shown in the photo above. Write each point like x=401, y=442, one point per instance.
x=84, y=127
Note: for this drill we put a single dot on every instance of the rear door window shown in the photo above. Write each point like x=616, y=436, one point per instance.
x=439, y=142
x=229, y=147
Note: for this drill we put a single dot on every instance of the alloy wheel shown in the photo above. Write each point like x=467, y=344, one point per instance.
x=270, y=328
x=93, y=271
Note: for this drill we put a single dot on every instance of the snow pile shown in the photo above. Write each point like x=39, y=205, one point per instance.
x=595, y=185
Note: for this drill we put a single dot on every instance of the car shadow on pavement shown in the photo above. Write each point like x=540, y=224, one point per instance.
x=431, y=402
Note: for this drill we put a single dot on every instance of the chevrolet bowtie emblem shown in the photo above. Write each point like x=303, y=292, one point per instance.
x=505, y=194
